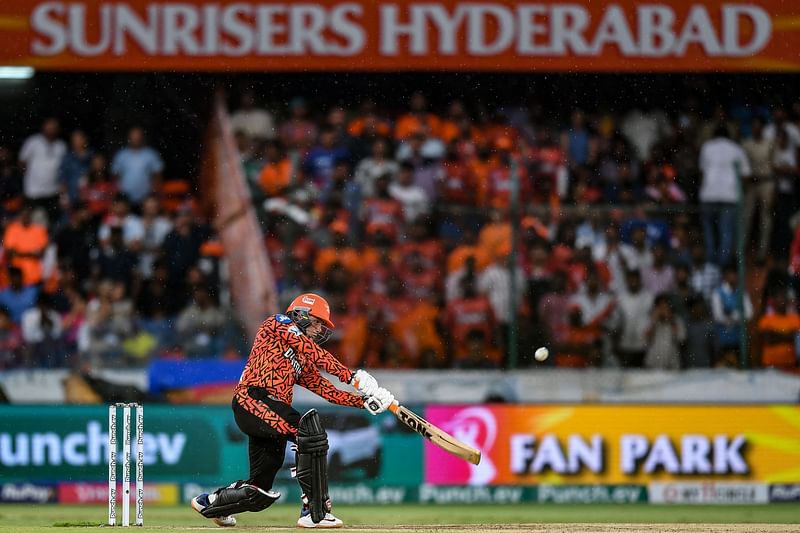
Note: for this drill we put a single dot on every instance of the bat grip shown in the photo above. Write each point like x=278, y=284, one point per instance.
x=392, y=408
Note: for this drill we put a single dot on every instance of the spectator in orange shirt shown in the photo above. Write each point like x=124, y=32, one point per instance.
x=382, y=211
x=459, y=185
x=276, y=176
x=417, y=332
x=392, y=306
x=349, y=339
x=581, y=345
x=24, y=243
x=500, y=179
x=380, y=266
x=368, y=124
x=494, y=240
x=420, y=243
x=416, y=118
x=779, y=330
x=340, y=252
x=451, y=127
x=422, y=282
x=468, y=247
x=471, y=311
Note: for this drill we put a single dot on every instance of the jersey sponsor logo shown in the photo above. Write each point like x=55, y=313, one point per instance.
x=289, y=354
x=295, y=330
x=283, y=319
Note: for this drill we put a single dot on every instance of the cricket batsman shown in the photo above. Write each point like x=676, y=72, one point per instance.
x=286, y=352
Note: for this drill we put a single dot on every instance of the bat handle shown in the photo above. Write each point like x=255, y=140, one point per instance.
x=392, y=408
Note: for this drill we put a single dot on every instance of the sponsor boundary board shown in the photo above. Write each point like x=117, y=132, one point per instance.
x=617, y=445
x=711, y=492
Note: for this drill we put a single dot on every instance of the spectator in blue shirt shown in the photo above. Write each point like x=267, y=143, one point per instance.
x=576, y=141
x=322, y=159
x=18, y=298
x=137, y=168
x=75, y=165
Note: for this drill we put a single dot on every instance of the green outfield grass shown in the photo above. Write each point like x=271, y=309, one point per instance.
x=64, y=519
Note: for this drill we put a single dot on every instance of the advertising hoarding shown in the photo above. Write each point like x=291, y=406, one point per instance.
x=329, y=35
x=526, y=445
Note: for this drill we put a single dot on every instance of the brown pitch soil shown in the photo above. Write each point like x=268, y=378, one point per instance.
x=577, y=528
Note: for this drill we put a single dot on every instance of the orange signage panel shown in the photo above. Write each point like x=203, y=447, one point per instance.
x=384, y=35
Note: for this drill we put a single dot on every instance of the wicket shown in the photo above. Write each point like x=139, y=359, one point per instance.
x=126, y=463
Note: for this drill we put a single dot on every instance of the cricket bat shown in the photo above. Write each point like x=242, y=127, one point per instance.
x=437, y=436
x=440, y=438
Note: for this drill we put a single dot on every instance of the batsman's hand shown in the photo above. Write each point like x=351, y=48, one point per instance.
x=379, y=401
x=365, y=383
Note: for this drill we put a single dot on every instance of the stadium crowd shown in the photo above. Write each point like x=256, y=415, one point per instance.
x=621, y=252
x=103, y=263
x=626, y=230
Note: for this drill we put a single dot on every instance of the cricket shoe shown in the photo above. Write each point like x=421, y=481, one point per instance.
x=329, y=522
x=201, y=502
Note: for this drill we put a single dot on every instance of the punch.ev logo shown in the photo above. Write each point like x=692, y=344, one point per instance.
x=86, y=447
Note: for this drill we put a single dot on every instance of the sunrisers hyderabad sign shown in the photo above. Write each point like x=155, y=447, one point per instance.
x=617, y=444
x=624, y=35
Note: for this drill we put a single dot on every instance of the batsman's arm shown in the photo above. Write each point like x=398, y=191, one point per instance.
x=320, y=386
x=323, y=359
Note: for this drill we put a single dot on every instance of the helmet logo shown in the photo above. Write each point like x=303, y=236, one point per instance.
x=308, y=300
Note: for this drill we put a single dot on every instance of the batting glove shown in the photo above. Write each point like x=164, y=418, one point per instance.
x=379, y=402
x=365, y=383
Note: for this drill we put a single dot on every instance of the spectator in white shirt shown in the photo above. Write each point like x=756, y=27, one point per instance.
x=634, y=306
x=120, y=215
x=786, y=171
x=665, y=334
x=371, y=168
x=257, y=123
x=644, y=129
x=41, y=330
x=596, y=305
x=636, y=255
x=155, y=228
x=704, y=276
x=411, y=196
x=760, y=188
x=495, y=283
x=722, y=162
x=780, y=122
x=659, y=276
x=40, y=161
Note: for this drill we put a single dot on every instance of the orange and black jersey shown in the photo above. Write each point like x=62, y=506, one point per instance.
x=283, y=356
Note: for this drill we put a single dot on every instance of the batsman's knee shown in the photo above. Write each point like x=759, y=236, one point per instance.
x=311, y=437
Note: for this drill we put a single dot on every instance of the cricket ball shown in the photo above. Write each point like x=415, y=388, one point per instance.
x=541, y=353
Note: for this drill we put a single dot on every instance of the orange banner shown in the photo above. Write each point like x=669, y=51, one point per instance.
x=327, y=35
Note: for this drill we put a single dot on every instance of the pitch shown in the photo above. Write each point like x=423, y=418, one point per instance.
x=535, y=518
